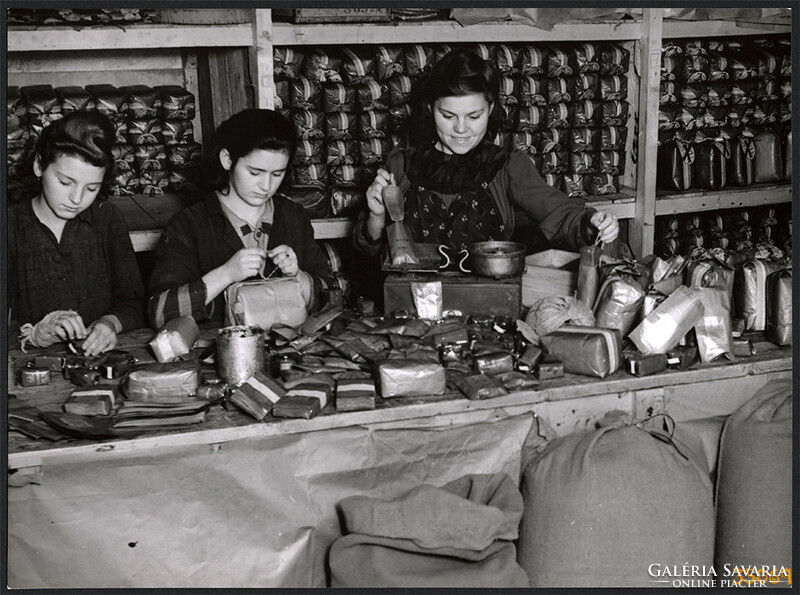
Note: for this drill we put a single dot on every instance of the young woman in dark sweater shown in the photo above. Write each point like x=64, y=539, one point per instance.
x=243, y=228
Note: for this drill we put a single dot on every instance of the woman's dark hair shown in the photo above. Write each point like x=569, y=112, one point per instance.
x=247, y=131
x=460, y=72
x=88, y=135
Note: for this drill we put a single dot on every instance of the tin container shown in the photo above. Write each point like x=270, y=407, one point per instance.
x=240, y=353
x=34, y=376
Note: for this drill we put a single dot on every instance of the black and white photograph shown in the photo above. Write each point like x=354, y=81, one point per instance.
x=433, y=296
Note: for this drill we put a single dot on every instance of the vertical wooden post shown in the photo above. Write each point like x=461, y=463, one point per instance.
x=643, y=231
x=261, y=62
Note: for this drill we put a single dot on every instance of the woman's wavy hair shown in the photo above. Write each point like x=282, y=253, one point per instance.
x=87, y=135
x=460, y=72
x=247, y=131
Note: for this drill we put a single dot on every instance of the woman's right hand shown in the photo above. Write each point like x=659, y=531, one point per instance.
x=246, y=263
x=375, y=193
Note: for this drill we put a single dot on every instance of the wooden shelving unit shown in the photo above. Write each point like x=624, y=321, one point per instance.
x=31, y=50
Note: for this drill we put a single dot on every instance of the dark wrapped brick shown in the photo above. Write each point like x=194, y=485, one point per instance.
x=585, y=350
x=611, y=162
x=561, y=62
x=670, y=66
x=176, y=132
x=552, y=139
x=614, y=59
x=15, y=103
x=310, y=174
x=144, y=132
x=692, y=118
x=309, y=124
x=283, y=94
x=693, y=95
x=341, y=152
x=74, y=99
x=742, y=66
x=305, y=94
x=581, y=163
x=532, y=90
x=560, y=89
x=358, y=64
x=717, y=67
x=576, y=185
x=143, y=102
x=373, y=150
x=743, y=91
x=768, y=89
x=388, y=61
x=322, y=65
x=506, y=58
x=109, y=100
x=153, y=182
x=287, y=62
x=478, y=386
x=587, y=57
x=176, y=103
x=149, y=157
x=560, y=115
x=532, y=60
x=123, y=156
x=399, y=90
x=554, y=162
x=587, y=86
x=601, y=184
x=184, y=154
x=510, y=114
x=718, y=93
x=612, y=138
x=313, y=198
x=348, y=176
x=613, y=87
x=183, y=180
x=308, y=152
x=525, y=142
x=417, y=59
x=372, y=95
x=373, y=124
x=554, y=180
x=125, y=183
x=613, y=113
x=508, y=90
x=585, y=113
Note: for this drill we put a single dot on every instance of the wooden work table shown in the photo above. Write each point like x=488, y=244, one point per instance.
x=568, y=403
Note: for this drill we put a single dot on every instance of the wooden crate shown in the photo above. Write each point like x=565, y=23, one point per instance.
x=548, y=273
x=332, y=15
x=470, y=294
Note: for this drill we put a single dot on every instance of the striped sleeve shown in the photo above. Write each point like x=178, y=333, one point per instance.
x=185, y=300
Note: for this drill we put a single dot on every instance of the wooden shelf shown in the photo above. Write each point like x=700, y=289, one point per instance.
x=756, y=195
x=622, y=205
x=449, y=32
x=146, y=216
x=30, y=39
x=674, y=28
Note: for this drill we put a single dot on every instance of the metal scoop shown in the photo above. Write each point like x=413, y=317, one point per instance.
x=393, y=201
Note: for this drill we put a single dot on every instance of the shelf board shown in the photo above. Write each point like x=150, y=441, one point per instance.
x=146, y=216
x=30, y=39
x=674, y=28
x=623, y=204
x=449, y=32
x=756, y=195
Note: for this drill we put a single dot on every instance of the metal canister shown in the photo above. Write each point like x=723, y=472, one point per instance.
x=34, y=376
x=240, y=353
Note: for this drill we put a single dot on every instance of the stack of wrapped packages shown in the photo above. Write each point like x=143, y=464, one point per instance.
x=725, y=112
x=566, y=106
x=154, y=145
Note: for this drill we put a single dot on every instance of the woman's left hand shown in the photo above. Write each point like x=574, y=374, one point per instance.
x=606, y=225
x=285, y=259
x=102, y=337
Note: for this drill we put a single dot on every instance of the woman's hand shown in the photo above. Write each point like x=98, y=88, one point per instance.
x=606, y=225
x=285, y=259
x=71, y=327
x=246, y=263
x=375, y=193
x=102, y=337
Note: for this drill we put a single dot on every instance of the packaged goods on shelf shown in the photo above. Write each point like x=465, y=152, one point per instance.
x=341, y=152
x=358, y=64
x=177, y=132
x=287, y=62
x=372, y=95
x=336, y=97
x=42, y=106
x=144, y=132
x=143, y=102
x=418, y=59
x=313, y=198
x=309, y=124
x=388, y=61
x=183, y=154
x=305, y=93
x=74, y=98
x=153, y=182
x=322, y=65
x=308, y=152
x=177, y=104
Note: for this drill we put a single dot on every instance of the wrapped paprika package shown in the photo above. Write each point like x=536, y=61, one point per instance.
x=600, y=184
x=418, y=59
x=739, y=167
x=742, y=66
x=718, y=93
x=346, y=201
x=580, y=163
x=287, y=62
x=532, y=60
x=694, y=69
x=74, y=99
x=675, y=158
x=309, y=124
x=610, y=162
x=559, y=115
x=144, y=132
x=586, y=113
x=403, y=378
x=613, y=113
x=163, y=383
x=582, y=139
x=388, y=61
x=669, y=117
x=560, y=89
x=587, y=86
x=525, y=142
x=508, y=91
x=713, y=330
x=372, y=95
x=743, y=92
x=663, y=328
x=585, y=350
x=717, y=67
x=618, y=304
x=143, y=102
x=561, y=62
x=753, y=516
x=358, y=64
x=587, y=57
x=613, y=87
x=335, y=97
x=588, y=519
x=176, y=103
x=153, y=182
x=506, y=58
x=310, y=174
x=531, y=118
x=576, y=185
x=532, y=90
x=669, y=67
x=177, y=132
x=750, y=292
x=322, y=65
x=710, y=159
x=779, y=307
x=614, y=59
x=399, y=90
x=612, y=138
x=554, y=162
x=308, y=152
x=552, y=139
x=374, y=124
x=693, y=95
x=313, y=198
x=667, y=93
x=768, y=161
x=341, y=126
